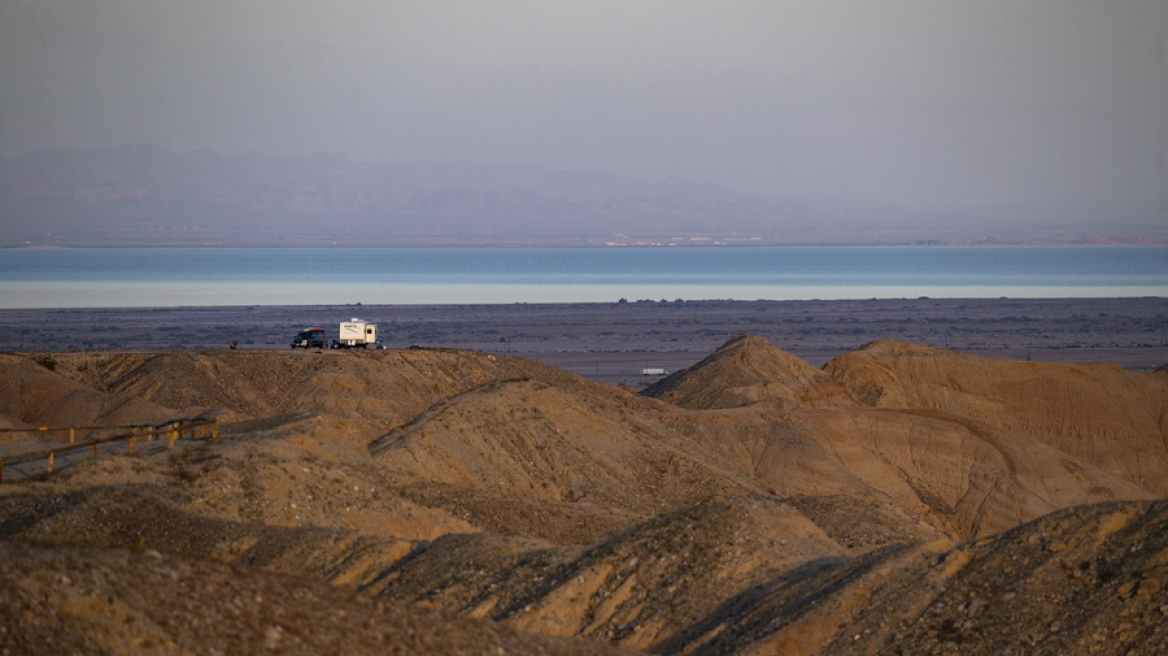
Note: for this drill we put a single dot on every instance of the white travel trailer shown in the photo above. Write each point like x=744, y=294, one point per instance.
x=356, y=333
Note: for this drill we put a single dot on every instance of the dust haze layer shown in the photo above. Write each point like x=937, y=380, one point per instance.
x=1048, y=110
x=144, y=195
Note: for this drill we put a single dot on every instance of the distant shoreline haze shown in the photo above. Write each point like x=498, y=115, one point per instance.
x=123, y=277
x=146, y=196
x=1136, y=242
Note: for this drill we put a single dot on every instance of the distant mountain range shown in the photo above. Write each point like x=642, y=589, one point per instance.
x=138, y=195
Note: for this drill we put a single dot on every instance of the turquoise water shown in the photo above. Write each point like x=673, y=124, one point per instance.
x=274, y=276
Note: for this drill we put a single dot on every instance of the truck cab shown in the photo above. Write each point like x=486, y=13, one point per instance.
x=310, y=338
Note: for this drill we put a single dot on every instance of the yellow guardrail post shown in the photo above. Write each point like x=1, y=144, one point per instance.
x=174, y=430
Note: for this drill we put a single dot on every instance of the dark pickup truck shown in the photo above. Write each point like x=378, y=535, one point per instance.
x=310, y=338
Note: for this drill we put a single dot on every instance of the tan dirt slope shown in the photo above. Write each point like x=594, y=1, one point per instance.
x=373, y=390
x=33, y=394
x=715, y=579
x=1089, y=580
x=62, y=600
x=963, y=473
x=1099, y=414
x=535, y=440
x=753, y=507
x=747, y=370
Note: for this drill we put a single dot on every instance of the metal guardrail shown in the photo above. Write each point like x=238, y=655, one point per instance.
x=171, y=430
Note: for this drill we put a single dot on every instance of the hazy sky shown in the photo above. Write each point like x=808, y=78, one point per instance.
x=1056, y=105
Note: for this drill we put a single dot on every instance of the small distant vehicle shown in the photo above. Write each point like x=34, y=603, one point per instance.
x=356, y=333
x=310, y=338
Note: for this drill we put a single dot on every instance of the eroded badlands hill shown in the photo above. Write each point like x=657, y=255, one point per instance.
x=64, y=600
x=747, y=370
x=1100, y=414
x=751, y=507
x=32, y=394
x=947, y=459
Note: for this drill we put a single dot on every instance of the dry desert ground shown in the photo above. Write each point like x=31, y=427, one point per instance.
x=513, y=485
x=613, y=342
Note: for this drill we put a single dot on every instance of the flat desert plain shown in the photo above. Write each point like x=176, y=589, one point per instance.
x=614, y=342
